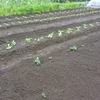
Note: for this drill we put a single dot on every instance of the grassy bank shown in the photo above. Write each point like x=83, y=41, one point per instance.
x=24, y=7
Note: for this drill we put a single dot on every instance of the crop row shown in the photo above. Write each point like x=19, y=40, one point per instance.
x=51, y=35
x=60, y=12
x=40, y=20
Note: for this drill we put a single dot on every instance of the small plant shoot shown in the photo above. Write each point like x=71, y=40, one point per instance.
x=28, y=40
x=44, y=95
x=50, y=58
x=37, y=61
x=9, y=46
x=60, y=33
x=83, y=45
x=13, y=43
x=78, y=28
x=50, y=35
x=91, y=24
x=69, y=30
x=74, y=48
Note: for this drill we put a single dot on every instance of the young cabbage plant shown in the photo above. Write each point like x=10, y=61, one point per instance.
x=38, y=39
x=97, y=23
x=13, y=43
x=44, y=95
x=91, y=24
x=50, y=35
x=37, y=61
x=28, y=40
x=9, y=46
x=50, y=58
x=69, y=30
x=78, y=28
x=6, y=24
x=60, y=32
x=74, y=48
x=85, y=26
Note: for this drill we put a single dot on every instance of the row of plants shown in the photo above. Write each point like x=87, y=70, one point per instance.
x=60, y=12
x=52, y=18
x=51, y=35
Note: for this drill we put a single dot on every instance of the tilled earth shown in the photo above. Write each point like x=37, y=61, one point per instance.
x=69, y=75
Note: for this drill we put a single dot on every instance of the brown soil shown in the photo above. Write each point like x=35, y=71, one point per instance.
x=69, y=75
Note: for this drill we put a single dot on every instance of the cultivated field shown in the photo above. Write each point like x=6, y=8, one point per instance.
x=51, y=56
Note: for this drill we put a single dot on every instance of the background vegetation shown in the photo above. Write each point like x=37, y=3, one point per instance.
x=19, y=7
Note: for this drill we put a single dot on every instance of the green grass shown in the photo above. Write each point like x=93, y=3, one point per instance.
x=24, y=7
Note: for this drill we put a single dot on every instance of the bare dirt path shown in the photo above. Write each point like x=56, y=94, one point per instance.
x=69, y=75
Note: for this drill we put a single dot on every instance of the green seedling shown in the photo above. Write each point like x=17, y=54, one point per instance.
x=38, y=39
x=37, y=61
x=41, y=37
x=35, y=39
x=91, y=24
x=19, y=22
x=44, y=95
x=85, y=26
x=82, y=45
x=9, y=46
x=26, y=21
x=97, y=23
x=0, y=25
x=74, y=48
x=12, y=23
x=50, y=58
x=78, y=28
x=50, y=35
x=28, y=40
x=69, y=30
x=6, y=24
x=24, y=16
x=13, y=43
x=60, y=33
x=16, y=17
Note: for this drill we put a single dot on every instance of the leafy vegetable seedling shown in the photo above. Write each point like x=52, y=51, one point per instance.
x=44, y=95
x=37, y=61
x=82, y=45
x=9, y=46
x=50, y=35
x=85, y=26
x=69, y=30
x=50, y=58
x=13, y=43
x=74, y=48
x=78, y=28
x=97, y=23
x=28, y=40
x=60, y=32
x=38, y=39
x=91, y=24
